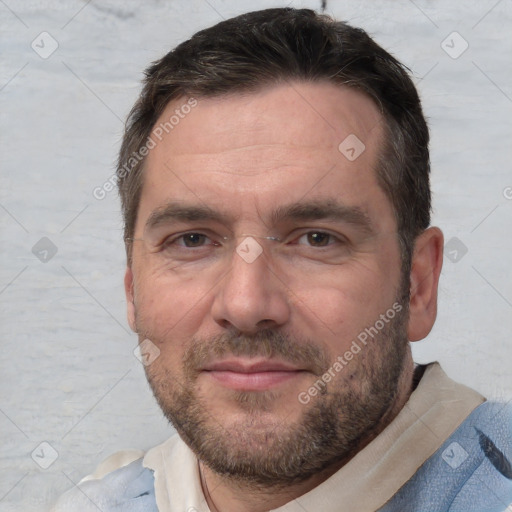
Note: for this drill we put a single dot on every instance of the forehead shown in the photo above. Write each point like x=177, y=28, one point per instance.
x=259, y=149
x=309, y=115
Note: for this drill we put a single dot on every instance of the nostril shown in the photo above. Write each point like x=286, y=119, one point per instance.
x=265, y=324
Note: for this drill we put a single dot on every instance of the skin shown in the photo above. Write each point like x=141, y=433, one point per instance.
x=246, y=155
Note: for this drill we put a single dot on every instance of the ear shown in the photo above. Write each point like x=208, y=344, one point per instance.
x=427, y=261
x=130, y=298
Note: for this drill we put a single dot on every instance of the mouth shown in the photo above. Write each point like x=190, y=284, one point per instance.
x=252, y=374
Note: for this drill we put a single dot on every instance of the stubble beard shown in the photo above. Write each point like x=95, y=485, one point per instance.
x=263, y=451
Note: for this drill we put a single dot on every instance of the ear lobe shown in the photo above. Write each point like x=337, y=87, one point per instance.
x=427, y=261
x=130, y=298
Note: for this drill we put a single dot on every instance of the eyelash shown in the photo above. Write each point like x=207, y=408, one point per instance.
x=169, y=241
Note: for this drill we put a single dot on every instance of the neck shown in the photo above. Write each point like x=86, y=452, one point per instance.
x=225, y=494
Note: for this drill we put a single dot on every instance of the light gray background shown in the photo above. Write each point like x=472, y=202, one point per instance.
x=68, y=373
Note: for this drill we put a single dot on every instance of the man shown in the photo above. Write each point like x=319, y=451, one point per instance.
x=274, y=178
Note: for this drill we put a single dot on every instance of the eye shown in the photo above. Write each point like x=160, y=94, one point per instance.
x=187, y=240
x=317, y=239
x=193, y=239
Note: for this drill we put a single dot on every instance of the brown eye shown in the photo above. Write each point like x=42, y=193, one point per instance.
x=193, y=239
x=318, y=239
x=190, y=240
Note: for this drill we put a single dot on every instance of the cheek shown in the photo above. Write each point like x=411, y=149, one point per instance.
x=170, y=308
x=336, y=308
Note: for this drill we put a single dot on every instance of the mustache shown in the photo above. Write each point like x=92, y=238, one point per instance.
x=268, y=344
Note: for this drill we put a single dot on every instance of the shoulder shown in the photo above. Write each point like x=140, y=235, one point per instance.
x=471, y=472
x=119, y=483
x=480, y=451
x=112, y=462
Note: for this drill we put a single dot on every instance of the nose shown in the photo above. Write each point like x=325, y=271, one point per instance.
x=250, y=297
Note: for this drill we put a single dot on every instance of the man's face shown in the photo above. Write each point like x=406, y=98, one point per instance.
x=264, y=253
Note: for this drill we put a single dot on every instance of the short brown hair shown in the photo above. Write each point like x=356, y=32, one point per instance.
x=266, y=47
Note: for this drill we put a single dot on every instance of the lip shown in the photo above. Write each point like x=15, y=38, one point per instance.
x=250, y=374
x=239, y=365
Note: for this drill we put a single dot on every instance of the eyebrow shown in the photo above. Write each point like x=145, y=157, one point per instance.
x=329, y=210
x=179, y=212
x=324, y=210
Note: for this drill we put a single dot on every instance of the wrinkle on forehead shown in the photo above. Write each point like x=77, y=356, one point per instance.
x=254, y=160
x=308, y=116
